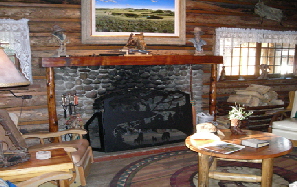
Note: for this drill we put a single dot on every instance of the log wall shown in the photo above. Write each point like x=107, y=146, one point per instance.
x=208, y=15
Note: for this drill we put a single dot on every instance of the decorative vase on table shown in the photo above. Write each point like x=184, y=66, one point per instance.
x=236, y=115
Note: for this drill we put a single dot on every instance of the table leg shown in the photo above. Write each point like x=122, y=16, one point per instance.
x=203, y=170
x=64, y=183
x=267, y=172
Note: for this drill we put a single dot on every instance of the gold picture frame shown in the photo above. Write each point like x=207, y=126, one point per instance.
x=89, y=36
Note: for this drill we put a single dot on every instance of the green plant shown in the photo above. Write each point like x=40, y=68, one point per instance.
x=238, y=112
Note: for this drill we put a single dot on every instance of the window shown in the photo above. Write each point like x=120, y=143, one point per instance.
x=245, y=59
x=244, y=50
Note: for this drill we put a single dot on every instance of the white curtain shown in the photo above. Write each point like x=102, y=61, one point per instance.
x=227, y=38
x=16, y=33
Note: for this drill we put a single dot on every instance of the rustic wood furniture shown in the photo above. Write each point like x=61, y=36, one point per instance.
x=278, y=146
x=78, y=151
x=59, y=162
x=50, y=62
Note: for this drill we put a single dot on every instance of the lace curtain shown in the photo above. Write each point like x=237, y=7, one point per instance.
x=227, y=38
x=16, y=33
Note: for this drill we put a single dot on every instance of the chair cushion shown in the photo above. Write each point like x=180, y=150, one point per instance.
x=289, y=124
x=284, y=133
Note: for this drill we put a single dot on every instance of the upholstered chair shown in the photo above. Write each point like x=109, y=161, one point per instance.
x=285, y=123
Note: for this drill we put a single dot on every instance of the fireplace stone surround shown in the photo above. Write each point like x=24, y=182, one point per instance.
x=92, y=82
x=53, y=62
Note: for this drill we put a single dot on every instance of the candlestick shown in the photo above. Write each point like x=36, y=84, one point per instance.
x=63, y=100
x=75, y=99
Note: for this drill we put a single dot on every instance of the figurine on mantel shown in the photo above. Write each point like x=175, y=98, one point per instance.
x=135, y=46
x=198, y=41
x=58, y=32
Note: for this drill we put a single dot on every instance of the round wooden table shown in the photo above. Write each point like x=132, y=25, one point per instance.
x=278, y=146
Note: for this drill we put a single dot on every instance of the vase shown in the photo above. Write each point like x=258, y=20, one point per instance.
x=235, y=126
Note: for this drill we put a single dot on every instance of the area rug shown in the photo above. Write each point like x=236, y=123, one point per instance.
x=179, y=169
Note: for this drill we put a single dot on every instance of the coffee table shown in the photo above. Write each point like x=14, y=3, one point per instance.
x=278, y=146
x=59, y=161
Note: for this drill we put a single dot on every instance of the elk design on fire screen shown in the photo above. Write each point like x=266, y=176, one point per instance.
x=139, y=118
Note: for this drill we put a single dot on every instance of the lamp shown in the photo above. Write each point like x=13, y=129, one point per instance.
x=9, y=75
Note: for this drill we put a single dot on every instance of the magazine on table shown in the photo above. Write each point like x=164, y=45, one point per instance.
x=221, y=147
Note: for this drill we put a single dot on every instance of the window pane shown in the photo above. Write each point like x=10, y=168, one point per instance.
x=252, y=44
x=252, y=61
x=277, y=69
x=251, y=70
x=235, y=70
x=277, y=61
x=235, y=61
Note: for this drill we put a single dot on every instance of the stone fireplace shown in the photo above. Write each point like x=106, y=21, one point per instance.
x=95, y=83
x=91, y=82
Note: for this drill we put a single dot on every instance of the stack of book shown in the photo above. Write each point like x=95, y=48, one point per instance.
x=253, y=142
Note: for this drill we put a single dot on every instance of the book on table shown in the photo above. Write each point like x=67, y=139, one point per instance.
x=253, y=142
x=221, y=147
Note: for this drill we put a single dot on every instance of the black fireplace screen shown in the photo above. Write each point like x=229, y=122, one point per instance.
x=139, y=118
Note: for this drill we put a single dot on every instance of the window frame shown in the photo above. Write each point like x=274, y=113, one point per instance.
x=257, y=67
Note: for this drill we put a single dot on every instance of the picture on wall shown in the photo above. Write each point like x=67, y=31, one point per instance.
x=112, y=21
x=148, y=16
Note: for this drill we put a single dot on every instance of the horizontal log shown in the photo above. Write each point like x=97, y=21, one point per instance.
x=35, y=122
x=234, y=176
x=19, y=4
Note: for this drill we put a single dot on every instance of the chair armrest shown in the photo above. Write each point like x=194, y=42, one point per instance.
x=42, y=135
x=279, y=116
x=68, y=147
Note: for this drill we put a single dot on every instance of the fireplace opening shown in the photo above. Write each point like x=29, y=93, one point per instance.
x=135, y=118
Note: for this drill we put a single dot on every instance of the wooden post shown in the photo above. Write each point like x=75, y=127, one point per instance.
x=51, y=100
x=213, y=89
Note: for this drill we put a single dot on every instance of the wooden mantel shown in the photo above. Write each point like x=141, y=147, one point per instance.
x=50, y=62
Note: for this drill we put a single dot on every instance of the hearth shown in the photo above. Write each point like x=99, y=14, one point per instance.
x=130, y=119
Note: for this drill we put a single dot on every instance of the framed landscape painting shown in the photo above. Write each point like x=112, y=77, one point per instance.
x=112, y=21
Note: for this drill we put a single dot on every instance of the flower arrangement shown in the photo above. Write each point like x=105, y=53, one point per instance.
x=238, y=112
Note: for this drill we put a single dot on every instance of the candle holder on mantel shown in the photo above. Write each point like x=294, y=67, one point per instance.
x=69, y=102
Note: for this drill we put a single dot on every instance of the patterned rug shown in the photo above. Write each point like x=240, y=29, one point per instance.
x=179, y=169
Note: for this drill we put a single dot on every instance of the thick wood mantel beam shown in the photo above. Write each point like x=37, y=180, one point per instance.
x=130, y=60
x=52, y=62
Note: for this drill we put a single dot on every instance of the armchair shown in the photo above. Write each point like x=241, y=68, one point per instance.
x=79, y=150
x=284, y=123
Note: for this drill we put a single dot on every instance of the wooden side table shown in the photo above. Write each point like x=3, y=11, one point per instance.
x=278, y=146
x=59, y=161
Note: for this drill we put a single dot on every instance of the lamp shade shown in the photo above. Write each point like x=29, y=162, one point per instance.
x=9, y=75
